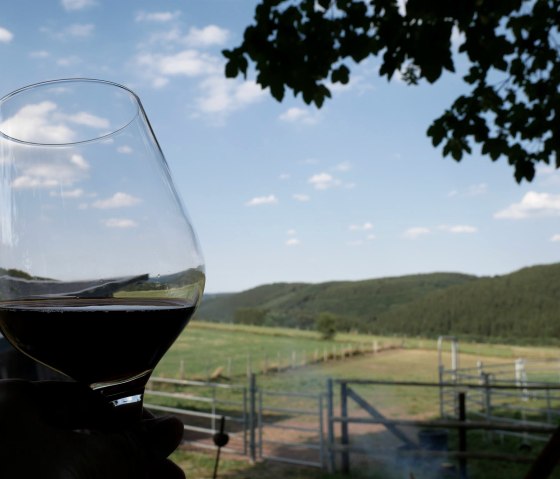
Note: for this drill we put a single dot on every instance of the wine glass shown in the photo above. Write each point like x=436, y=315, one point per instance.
x=100, y=268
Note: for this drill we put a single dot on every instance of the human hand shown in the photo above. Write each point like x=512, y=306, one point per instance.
x=63, y=430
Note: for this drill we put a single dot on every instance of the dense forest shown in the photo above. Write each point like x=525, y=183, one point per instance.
x=523, y=306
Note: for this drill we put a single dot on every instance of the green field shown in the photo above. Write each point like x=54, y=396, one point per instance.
x=229, y=351
x=204, y=347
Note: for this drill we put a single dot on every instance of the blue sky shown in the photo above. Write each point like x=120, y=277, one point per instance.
x=286, y=192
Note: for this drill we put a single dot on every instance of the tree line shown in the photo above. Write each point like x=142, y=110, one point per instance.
x=522, y=307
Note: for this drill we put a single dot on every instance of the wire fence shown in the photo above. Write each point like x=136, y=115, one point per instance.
x=353, y=423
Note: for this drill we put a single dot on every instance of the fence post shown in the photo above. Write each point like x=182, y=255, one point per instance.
x=330, y=426
x=441, y=392
x=252, y=417
x=548, y=407
x=487, y=400
x=344, y=439
x=321, y=432
x=462, y=436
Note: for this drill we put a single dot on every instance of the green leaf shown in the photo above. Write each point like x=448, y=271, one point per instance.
x=341, y=75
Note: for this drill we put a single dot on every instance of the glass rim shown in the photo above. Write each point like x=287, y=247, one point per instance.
x=138, y=108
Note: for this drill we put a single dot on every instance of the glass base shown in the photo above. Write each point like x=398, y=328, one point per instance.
x=126, y=397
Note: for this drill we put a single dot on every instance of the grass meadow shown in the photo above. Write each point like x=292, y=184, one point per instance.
x=293, y=360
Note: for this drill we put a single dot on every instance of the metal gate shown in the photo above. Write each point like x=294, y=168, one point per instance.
x=290, y=428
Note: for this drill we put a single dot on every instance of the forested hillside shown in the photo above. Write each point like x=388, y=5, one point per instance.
x=355, y=303
x=521, y=306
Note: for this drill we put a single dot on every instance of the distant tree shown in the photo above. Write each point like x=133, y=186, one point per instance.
x=326, y=324
x=513, y=107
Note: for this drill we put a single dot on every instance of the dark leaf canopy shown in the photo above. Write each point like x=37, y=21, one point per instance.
x=512, y=108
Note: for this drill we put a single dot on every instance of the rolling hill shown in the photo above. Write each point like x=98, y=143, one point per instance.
x=522, y=306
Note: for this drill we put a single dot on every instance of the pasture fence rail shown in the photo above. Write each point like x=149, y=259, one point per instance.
x=326, y=429
x=425, y=446
x=251, y=419
x=204, y=408
x=237, y=366
x=519, y=392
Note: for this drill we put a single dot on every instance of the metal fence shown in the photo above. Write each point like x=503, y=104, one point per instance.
x=519, y=392
x=304, y=444
x=254, y=417
x=201, y=405
x=351, y=423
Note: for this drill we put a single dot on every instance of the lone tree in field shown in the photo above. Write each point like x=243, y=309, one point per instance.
x=326, y=325
x=513, y=107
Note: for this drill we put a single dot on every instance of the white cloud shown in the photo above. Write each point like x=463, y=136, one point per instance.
x=158, y=17
x=359, y=84
x=79, y=161
x=189, y=63
x=301, y=197
x=367, y=226
x=62, y=171
x=122, y=223
x=222, y=96
x=160, y=82
x=324, y=181
x=292, y=240
x=5, y=35
x=371, y=237
x=344, y=166
x=26, y=182
x=248, y=92
x=548, y=175
x=555, y=238
x=416, y=232
x=72, y=5
x=284, y=176
x=476, y=190
x=68, y=61
x=457, y=229
x=166, y=38
x=125, y=149
x=85, y=119
x=262, y=200
x=43, y=123
x=299, y=115
x=39, y=54
x=532, y=204
x=33, y=122
x=472, y=190
x=76, y=193
x=207, y=36
x=118, y=200
x=79, y=30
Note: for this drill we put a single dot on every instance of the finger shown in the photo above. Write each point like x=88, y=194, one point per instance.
x=163, y=435
x=71, y=405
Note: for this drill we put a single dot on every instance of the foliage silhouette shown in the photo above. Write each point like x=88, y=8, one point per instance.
x=513, y=103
